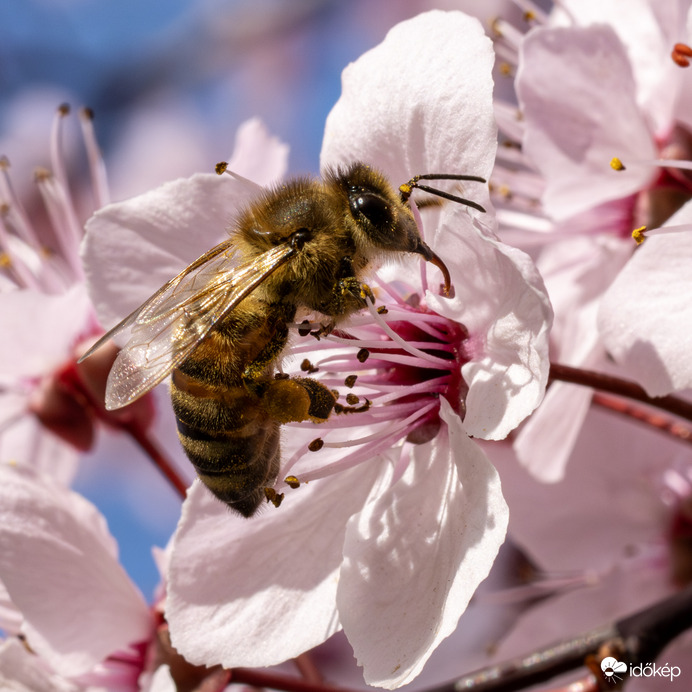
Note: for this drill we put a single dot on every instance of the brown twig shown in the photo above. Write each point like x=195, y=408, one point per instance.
x=629, y=390
x=276, y=681
x=666, y=425
x=616, y=385
x=638, y=638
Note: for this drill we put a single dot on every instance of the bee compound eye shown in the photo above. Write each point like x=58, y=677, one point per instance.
x=300, y=237
x=371, y=206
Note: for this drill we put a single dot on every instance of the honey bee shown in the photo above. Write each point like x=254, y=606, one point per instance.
x=221, y=325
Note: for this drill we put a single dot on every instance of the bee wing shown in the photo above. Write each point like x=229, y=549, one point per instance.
x=168, y=326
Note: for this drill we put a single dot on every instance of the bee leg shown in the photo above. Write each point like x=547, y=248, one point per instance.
x=350, y=295
x=255, y=374
x=298, y=399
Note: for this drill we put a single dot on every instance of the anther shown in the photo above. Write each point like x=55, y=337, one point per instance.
x=221, y=167
x=307, y=366
x=638, y=235
x=350, y=381
x=292, y=482
x=363, y=355
x=616, y=164
x=272, y=496
x=681, y=54
x=316, y=444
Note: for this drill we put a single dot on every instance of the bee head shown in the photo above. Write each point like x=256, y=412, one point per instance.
x=382, y=221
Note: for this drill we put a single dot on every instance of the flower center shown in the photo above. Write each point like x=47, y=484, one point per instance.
x=389, y=367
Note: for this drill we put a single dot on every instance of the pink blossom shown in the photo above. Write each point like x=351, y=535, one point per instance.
x=80, y=613
x=350, y=547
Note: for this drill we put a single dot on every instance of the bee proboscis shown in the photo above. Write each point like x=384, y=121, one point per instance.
x=221, y=325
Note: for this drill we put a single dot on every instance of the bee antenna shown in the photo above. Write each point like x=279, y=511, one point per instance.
x=407, y=189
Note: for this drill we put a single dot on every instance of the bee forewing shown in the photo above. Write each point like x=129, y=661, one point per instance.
x=168, y=327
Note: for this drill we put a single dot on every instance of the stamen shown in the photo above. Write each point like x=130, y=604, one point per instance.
x=66, y=228
x=679, y=164
x=57, y=157
x=396, y=343
x=532, y=12
x=97, y=166
x=641, y=234
x=19, y=219
x=510, y=34
x=681, y=54
x=222, y=167
x=11, y=263
x=402, y=342
x=370, y=450
x=378, y=435
x=386, y=286
x=373, y=416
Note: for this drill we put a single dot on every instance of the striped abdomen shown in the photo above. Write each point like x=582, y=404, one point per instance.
x=226, y=432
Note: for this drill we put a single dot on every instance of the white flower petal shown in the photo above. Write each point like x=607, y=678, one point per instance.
x=269, y=594
x=257, y=155
x=508, y=315
x=132, y=248
x=44, y=329
x=59, y=566
x=545, y=443
x=22, y=671
x=414, y=556
x=648, y=47
x=578, y=97
x=607, y=502
x=646, y=315
x=420, y=102
x=161, y=681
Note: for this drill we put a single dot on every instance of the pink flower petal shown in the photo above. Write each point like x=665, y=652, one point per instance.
x=646, y=315
x=420, y=102
x=578, y=97
x=132, y=248
x=59, y=565
x=22, y=671
x=258, y=155
x=269, y=592
x=508, y=315
x=414, y=556
x=44, y=329
x=545, y=443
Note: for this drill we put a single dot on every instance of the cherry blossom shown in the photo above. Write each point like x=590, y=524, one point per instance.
x=591, y=86
x=278, y=585
x=46, y=309
x=83, y=619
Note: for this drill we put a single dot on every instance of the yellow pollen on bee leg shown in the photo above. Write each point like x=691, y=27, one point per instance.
x=616, y=164
x=681, y=54
x=638, y=235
